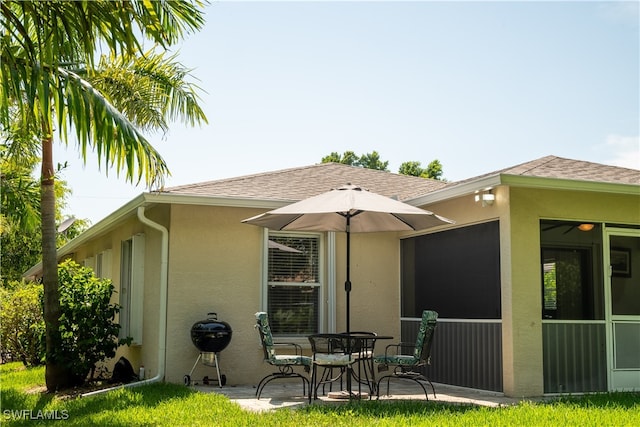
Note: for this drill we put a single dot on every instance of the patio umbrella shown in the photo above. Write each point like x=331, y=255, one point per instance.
x=350, y=209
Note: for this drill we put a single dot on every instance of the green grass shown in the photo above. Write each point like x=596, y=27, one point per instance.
x=176, y=405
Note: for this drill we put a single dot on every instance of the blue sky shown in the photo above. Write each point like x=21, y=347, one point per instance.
x=477, y=85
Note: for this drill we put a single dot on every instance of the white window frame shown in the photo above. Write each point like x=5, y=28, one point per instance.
x=321, y=284
x=89, y=262
x=103, y=264
x=132, y=289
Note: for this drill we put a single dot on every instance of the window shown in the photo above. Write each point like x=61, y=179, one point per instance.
x=103, y=264
x=293, y=283
x=132, y=288
x=89, y=262
x=100, y=264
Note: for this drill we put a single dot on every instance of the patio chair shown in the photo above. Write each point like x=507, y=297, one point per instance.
x=408, y=366
x=284, y=362
x=330, y=352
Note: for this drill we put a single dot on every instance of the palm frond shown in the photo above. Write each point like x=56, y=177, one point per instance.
x=99, y=125
x=150, y=90
x=44, y=41
x=19, y=192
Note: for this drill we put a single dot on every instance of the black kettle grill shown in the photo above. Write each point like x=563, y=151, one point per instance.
x=210, y=336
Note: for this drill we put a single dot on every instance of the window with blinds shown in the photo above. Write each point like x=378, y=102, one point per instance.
x=293, y=291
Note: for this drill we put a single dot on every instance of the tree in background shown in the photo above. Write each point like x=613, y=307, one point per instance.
x=47, y=48
x=20, y=234
x=433, y=170
x=372, y=161
x=348, y=158
x=21, y=322
x=368, y=161
x=20, y=237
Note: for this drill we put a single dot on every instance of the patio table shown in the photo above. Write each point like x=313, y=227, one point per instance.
x=355, y=348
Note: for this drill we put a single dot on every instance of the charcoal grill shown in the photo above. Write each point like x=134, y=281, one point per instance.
x=210, y=336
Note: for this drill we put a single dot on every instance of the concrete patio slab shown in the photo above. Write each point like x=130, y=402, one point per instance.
x=285, y=394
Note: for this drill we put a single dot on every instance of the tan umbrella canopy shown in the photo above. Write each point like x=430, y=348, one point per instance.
x=350, y=209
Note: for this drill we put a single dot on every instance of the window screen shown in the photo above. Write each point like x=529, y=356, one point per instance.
x=293, y=295
x=572, y=285
x=567, y=285
x=455, y=272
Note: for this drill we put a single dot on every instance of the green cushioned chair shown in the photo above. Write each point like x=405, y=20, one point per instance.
x=284, y=362
x=408, y=366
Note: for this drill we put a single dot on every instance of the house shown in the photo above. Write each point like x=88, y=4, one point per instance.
x=537, y=283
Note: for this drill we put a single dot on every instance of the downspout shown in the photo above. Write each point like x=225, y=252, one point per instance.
x=164, y=285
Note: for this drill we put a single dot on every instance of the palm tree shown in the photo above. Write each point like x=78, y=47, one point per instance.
x=46, y=49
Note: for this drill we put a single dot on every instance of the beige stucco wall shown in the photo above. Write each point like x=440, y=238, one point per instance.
x=522, y=318
x=112, y=240
x=216, y=265
x=375, y=279
x=519, y=211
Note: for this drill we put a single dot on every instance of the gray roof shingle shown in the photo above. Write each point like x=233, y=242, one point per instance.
x=562, y=168
x=302, y=182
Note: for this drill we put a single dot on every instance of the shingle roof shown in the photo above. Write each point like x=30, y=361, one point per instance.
x=561, y=168
x=300, y=183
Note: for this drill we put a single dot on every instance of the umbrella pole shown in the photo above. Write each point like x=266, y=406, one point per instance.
x=347, y=289
x=347, y=283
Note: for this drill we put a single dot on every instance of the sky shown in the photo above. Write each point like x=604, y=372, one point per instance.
x=479, y=86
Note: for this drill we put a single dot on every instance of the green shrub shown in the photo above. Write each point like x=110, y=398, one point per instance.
x=87, y=328
x=21, y=322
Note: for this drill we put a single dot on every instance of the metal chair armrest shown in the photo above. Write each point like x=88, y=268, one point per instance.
x=398, y=347
x=297, y=346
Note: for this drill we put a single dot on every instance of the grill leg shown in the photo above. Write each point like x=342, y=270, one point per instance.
x=215, y=357
x=195, y=364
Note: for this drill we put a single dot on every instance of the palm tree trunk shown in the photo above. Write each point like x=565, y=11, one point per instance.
x=56, y=376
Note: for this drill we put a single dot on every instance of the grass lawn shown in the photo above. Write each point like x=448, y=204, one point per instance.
x=24, y=403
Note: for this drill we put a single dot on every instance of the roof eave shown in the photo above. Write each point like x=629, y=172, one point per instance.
x=453, y=191
x=91, y=232
x=148, y=199
x=491, y=181
x=570, y=184
x=227, y=201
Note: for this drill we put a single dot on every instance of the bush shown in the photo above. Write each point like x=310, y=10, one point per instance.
x=21, y=322
x=87, y=328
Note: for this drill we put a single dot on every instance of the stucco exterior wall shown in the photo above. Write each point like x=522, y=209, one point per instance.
x=519, y=211
x=522, y=311
x=375, y=278
x=216, y=265
x=112, y=241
